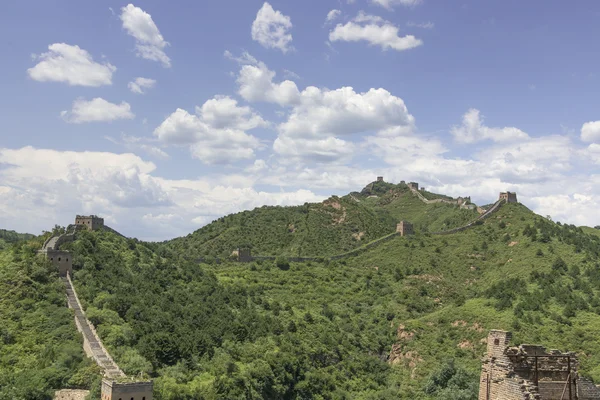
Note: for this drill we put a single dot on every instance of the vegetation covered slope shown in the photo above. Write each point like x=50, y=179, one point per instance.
x=8, y=237
x=405, y=319
x=332, y=227
x=40, y=348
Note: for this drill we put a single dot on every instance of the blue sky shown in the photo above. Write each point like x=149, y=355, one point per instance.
x=248, y=103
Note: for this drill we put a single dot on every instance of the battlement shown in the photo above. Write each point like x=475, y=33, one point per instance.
x=91, y=222
x=510, y=197
x=122, y=390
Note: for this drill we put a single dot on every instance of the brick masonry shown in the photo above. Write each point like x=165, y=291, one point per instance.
x=530, y=372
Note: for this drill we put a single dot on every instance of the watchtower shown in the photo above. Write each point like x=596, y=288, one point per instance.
x=380, y=179
x=413, y=185
x=113, y=390
x=404, y=228
x=510, y=197
x=61, y=259
x=242, y=254
x=91, y=222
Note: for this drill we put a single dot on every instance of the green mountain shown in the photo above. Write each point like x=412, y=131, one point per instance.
x=402, y=319
x=335, y=226
x=8, y=237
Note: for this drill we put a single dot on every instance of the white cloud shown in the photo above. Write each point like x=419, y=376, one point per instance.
x=256, y=84
x=319, y=117
x=271, y=29
x=473, y=130
x=590, y=131
x=97, y=110
x=332, y=15
x=223, y=112
x=139, y=85
x=424, y=25
x=290, y=74
x=42, y=187
x=216, y=134
x=375, y=31
x=389, y=4
x=324, y=112
x=72, y=65
x=325, y=150
x=138, y=143
x=150, y=43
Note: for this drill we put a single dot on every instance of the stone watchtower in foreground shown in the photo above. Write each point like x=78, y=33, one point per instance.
x=91, y=222
x=529, y=372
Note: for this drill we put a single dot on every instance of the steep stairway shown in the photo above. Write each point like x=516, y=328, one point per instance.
x=92, y=342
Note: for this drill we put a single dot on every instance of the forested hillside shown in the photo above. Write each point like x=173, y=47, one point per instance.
x=8, y=237
x=332, y=227
x=40, y=348
x=404, y=319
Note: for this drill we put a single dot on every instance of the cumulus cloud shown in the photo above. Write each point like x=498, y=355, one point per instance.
x=332, y=15
x=96, y=110
x=149, y=42
x=473, y=130
x=216, y=133
x=319, y=117
x=590, y=131
x=256, y=84
x=42, y=187
x=271, y=29
x=72, y=65
x=389, y=4
x=374, y=30
x=139, y=85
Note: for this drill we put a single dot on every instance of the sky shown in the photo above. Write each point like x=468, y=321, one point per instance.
x=163, y=116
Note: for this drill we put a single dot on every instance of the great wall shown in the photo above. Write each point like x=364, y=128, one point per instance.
x=403, y=228
x=116, y=385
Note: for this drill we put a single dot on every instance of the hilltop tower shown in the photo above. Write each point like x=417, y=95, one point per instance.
x=91, y=222
x=405, y=228
x=510, y=197
x=413, y=185
x=380, y=179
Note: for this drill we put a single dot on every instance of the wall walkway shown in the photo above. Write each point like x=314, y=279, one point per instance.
x=375, y=242
x=92, y=344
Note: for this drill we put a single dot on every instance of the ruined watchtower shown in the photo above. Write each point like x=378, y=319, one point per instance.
x=413, y=185
x=114, y=390
x=510, y=197
x=380, y=179
x=405, y=228
x=242, y=254
x=91, y=222
x=530, y=372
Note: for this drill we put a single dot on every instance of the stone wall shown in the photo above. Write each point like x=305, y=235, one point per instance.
x=530, y=372
x=91, y=222
x=118, y=390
